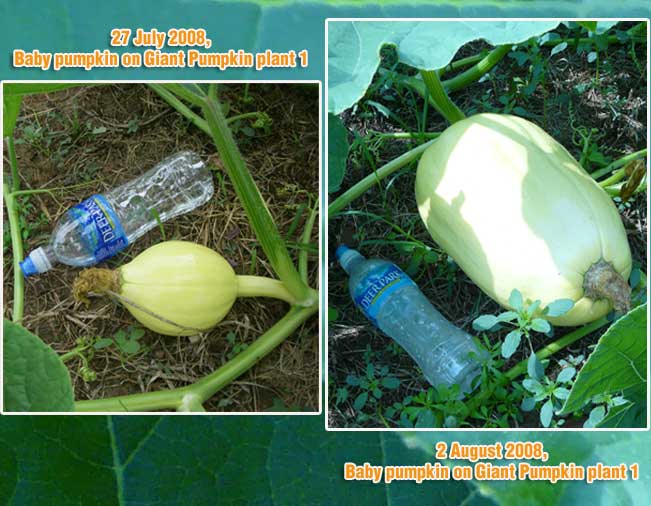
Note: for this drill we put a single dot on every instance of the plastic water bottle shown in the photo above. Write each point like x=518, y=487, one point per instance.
x=393, y=302
x=105, y=224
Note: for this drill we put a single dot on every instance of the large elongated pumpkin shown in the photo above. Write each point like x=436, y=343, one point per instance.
x=516, y=210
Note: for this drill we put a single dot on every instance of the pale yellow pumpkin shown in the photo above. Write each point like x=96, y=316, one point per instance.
x=515, y=210
x=177, y=288
x=186, y=283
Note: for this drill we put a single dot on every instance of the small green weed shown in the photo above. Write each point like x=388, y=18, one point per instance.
x=603, y=405
x=126, y=341
x=525, y=319
x=370, y=387
x=499, y=404
x=546, y=393
x=237, y=346
x=435, y=407
x=29, y=226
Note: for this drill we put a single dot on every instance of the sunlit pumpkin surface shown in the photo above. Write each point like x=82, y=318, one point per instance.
x=185, y=283
x=515, y=210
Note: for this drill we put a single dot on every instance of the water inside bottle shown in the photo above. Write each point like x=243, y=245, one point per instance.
x=104, y=224
x=446, y=354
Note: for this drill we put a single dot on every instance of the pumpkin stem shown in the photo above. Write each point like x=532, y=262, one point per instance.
x=258, y=286
x=602, y=281
x=95, y=281
x=191, y=402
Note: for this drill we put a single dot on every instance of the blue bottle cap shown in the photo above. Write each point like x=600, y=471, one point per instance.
x=36, y=262
x=341, y=250
x=346, y=256
x=28, y=267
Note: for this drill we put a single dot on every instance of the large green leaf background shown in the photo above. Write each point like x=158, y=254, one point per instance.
x=618, y=363
x=205, y=460
x=34, y=377
x=151, y=460
x=253, y=26
x=354, y=48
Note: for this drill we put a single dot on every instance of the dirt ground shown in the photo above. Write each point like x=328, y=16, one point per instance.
x=92, y=139
x=565, y=102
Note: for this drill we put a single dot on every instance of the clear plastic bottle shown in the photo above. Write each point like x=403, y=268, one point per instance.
x=105, y=224
x=393, y=302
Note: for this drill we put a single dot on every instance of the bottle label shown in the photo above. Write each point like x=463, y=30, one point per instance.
x=101, y=230
x=379, y=287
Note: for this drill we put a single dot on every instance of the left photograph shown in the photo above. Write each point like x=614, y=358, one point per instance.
x=161, y=247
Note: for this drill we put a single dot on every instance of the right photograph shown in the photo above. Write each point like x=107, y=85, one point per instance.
x=487, y=224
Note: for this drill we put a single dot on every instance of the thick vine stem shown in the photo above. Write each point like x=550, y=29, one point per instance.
x=619, y=163
x=441, y=100
x=602, y=281
x=614, y=178
x=13, y=161
x=214, y=382
x=169, y=97
x=17, y=253
x=191, y=403
x=258, y=286
x=256, y=209
x=305, y=241
x=476, y=72
x=460, y=63
x=206, y=387
x=557, y=346
x=389, y=168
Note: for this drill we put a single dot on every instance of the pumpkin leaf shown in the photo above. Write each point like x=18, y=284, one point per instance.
x=617, y=363
x=338, y=148
x=34, y=378
x=307, y=462
x=10, y=111
x=632, y=412
x=354, y=48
